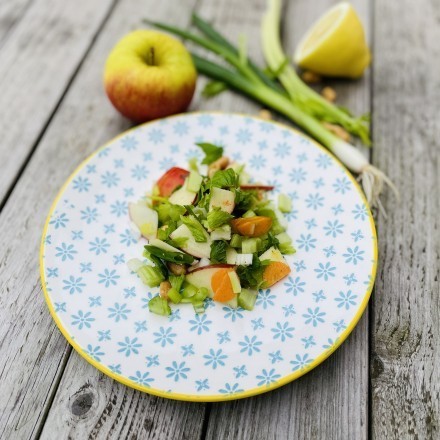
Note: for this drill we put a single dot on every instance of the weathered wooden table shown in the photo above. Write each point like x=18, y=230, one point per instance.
x=384, y=382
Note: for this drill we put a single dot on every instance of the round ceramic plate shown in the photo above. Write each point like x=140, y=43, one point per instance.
x=101, y=308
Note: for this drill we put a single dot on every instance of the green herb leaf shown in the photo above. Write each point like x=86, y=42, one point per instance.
x=217, y=218
x=178, y=242
x=212, y=152
x=197, y=230
x=173, y=257
x=225, y=179
x=218, y=251
x=268, y=242
x=245, y=200
x=251, y=277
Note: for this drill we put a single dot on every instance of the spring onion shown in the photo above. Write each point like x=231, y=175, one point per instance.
x=151, y=276
x=247, y=299
x=302, y=95
x=301, y=105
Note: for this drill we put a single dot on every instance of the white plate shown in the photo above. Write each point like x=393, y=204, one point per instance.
x=101, y=308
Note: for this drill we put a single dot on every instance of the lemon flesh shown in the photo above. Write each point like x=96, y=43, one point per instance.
x=335, y=45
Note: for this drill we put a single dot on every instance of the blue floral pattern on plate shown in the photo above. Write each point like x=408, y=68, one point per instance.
x=226, y=353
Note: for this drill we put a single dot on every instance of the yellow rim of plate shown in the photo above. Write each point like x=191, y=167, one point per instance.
x=214, y=397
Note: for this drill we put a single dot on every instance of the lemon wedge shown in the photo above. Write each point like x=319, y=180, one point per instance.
x=335, y=45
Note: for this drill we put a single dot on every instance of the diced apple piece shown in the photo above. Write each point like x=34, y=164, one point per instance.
x=202, y=276
x=223, y=199
x=182, y=196
x=231, y=256
x=172, y=179
x=164, y=246
x=145, y=218
x=233, y=303
x=194, y=182
x=192, y=247
x=273, y=254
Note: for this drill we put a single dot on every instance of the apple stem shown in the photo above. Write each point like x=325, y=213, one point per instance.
x=151, y=60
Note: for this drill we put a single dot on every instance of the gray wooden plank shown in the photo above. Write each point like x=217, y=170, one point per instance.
x=37, y=63
x=406, y=331
x=337, y=390
x=11, y=11
x=33, y=353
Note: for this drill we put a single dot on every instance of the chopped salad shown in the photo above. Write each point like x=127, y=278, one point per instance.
x=211, y=234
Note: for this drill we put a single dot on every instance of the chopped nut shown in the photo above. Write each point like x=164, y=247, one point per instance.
x=219, y=164
x=265, y=114
x=165, y=286
x=329, y=94
x=338, y=131
x=310, y=77
x=177, y=269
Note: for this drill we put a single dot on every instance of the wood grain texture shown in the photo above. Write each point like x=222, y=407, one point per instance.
x=33, y=354
x=406, y=333
x=331, y=402
x=36, y=65
x=11, y=11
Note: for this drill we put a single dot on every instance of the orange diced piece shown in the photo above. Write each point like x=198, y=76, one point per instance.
x=222, y=286
x=252, y=226
x=274, y=272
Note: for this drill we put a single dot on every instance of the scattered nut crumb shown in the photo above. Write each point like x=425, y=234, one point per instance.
x=338, y=131
x=310, y=77
x=329, y=94
x=219, y=164
x=165, y=286
x=177, y=269
x=265, y=114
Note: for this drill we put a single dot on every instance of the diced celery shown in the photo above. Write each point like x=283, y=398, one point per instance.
x=244, y=259
x=231, y=255
x=249, y=214
x=199, y=307
x=283, y=238
x=159, y=306
x=134, y=264
x=201, y=295
x=151, y=276
x=189, y=291
x=247, y=299
x=277, y=228
x=235, y=281
x=176, y=281
x=236, y=241
x=249, y=245
x=222, y=233
x=194, y=181
x=284, y=203
x=286, y=248
x=174, y=295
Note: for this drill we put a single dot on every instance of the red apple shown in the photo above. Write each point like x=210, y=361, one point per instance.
x=149, y=75
x=170, y=180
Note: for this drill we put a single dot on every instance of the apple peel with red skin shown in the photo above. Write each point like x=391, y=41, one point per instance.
x=149, y=75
